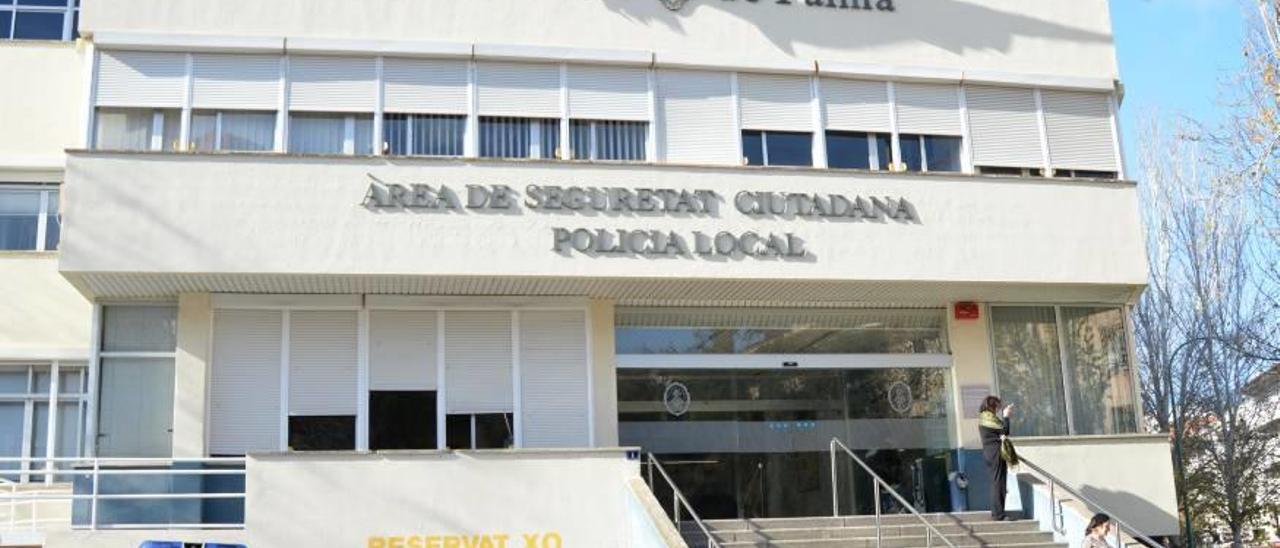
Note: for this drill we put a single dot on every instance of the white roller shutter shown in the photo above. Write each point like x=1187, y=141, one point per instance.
x=332, y=84
x=244, y=388
x=402, y=350
x=553, y=379
x=478, y=355
x=142, y=79
x=608, y=93
x=928, y=109
x=775, y=102
x=1004, y=127
x=528, y=90
x=696, y=118
x=1079, y=128
x=322, y=362
x=249, y=82
x=856, y=105
x=427, y=86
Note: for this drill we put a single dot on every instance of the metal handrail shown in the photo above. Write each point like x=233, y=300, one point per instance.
x=678, y=500
x=1054, y=482
x=930, y=530
x=94, y=469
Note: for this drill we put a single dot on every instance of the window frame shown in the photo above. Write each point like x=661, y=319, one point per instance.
x=70, y=11
x=219, y=134
x=1064, y=369
x=538, y=129
x=593, y=139
x=350, y=145
x=53, y=397
x=923, y=150
x=764, y=146
x=411, y=119
x=42, y=216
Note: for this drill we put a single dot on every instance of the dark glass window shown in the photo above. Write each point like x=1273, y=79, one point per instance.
x=911, y=151
x=322, y=433
x=884, y=150
x=491, y=431
x=777, y=148
x=53, y=223
x=6, y=21
x=402, y=420
x=57, y=3
x=19, y=219
x=38, y=25
x=423, y=134
x=943, y=153
x=846, y=150
x=753, y=148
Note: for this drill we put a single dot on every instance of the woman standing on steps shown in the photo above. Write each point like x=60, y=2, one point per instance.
x=993, y=426
x=1095, y=535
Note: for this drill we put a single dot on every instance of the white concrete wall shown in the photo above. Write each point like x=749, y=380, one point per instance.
x=971, y=368
x=359, y=499
x=1131, y=476
x=42, y=317
x=1061, y=38
x=155, y=213
x=191, y=375
x=41, y=103
x=604, y=368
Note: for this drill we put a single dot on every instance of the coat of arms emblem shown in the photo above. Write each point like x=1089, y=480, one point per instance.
x=674, y=5
x=676, y=399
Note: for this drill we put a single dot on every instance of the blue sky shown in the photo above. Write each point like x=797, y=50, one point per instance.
x=1175, y=57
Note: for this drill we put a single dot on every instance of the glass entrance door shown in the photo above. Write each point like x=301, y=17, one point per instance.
x=755, y=442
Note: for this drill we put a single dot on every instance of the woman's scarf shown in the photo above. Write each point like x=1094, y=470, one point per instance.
x=1007, y=452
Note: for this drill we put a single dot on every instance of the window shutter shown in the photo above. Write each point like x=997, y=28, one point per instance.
x=695, y=112
x=478, y=356
x=244, y=392
x=856, y=105
x=332, y=84
x=553, y=379
x=142, y=79
x=322, y=362
x=1004, y=126
x=250, y=82
x=775, y=102
x=424, y=86
x=1079, y=129
x=525, y=90
x=928, y=109
x=402, y=350
x=608, y=93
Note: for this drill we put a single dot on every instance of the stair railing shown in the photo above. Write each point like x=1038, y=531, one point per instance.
x=1057, y=510
x=878, y=483
x=677, y=501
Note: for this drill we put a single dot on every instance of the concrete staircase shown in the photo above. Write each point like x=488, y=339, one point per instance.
x=965, y=530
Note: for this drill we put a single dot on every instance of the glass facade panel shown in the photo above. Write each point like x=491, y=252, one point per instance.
x=248, y=131
x=14, y=381
x=912, y=154
x=943, y=153
x=753, y=148
x=608, y=140
x=204, y=131
x=848, y=150
x=423, y=134
x=1029, y=368
x=135, y=413
x=38, y=25
x=1102, y=400
x=519, y=138
x=316, y=133
x=777, y=148
x=139, y=328
x=19, y=219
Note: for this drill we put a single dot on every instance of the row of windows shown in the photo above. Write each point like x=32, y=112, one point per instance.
x=336, y=133
x=39, y=19
x=29, y=219
x=30, y=404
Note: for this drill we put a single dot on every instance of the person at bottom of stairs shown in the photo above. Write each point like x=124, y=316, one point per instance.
x=1095, y=535
x=993, y=427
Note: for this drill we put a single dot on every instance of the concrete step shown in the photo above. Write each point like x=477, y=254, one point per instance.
x=990, y=539
x=845, y=521
x=974, y=530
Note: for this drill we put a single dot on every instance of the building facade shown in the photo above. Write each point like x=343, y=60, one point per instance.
x=722, y=231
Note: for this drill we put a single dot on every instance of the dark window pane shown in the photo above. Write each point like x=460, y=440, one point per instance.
x=910, y=150
x=494, y=431
x=943, y=153
x=75, y=23
x=789, y=149
x=848, y=150
x=505, y=138
x=6, y=20
x=1083, y=174
x=651, y=340
x=753, y=148
x=35, y=25
x=884, y=151
x=53, y=224
x=457, y=431
x=19, y=219
x=42, y=2
x=402, y=420
x=322, y=433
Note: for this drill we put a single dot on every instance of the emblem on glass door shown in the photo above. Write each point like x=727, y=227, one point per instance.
x=676, y=399
x=900, y=398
